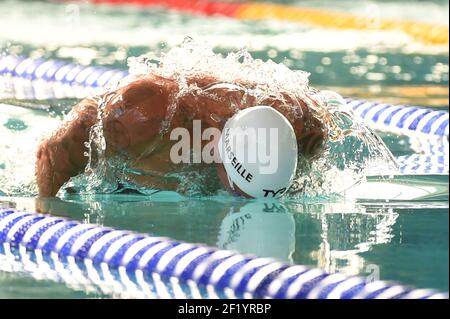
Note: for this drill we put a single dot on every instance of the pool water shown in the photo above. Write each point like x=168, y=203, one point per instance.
x=389, y=227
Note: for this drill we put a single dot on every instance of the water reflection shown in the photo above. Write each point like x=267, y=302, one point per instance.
x=346, y=236
x=402, y=241
x=332, y=236
x=264, y=229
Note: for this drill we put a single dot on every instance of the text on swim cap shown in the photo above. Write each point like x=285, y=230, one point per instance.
x=237, y=166
x=234, y=162
x=274, y=193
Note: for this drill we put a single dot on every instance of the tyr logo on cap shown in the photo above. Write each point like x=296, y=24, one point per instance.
x=274, y=193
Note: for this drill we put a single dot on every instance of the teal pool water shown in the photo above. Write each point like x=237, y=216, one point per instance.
x=391, y=228
x=403, y=241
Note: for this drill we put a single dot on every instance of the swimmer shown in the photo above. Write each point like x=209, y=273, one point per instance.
x=132, y=117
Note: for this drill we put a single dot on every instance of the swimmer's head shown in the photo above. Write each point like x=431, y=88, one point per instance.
x=258, y=148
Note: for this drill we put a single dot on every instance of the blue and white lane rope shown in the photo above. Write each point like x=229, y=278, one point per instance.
x=401, y=119
x=423, y=164
x=431, y=155
x=210, y=269
x=40, y=79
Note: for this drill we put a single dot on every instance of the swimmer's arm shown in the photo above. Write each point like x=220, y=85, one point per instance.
x=132, y=118
x=61, y=156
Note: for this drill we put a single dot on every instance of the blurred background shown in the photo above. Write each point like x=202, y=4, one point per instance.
x=397, y=50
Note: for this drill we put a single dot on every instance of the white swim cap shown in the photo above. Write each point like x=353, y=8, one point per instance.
x=258, y=149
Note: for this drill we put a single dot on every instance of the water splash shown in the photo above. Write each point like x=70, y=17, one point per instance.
x=99, y=174
x=353, y=150
x=20, y=133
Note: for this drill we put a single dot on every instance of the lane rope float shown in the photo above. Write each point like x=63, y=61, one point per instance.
x=41, y=79
x=401, y=118
x=423, y=164
x=226, y=273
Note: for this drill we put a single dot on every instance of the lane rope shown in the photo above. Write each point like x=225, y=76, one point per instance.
x=156, y=260
x=41, y=79
x=401, y=119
